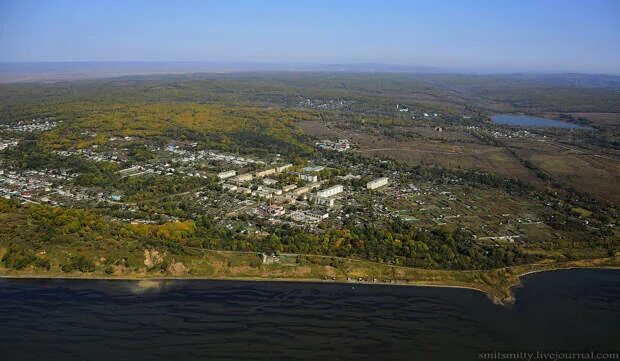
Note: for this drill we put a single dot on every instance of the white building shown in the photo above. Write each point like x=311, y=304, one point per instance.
x=226, y=174
x=331, y=191
x=309, y=216
x=309, y=177
x=262, y=193
x=269, y=181
x=229, y=187
x=316, y=168
x=376, y=183
x=327, y=202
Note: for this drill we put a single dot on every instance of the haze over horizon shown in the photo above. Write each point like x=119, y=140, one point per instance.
x=475, y=36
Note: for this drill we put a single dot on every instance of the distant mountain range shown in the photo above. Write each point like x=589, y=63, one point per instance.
x=66, y=71
x=380, y=68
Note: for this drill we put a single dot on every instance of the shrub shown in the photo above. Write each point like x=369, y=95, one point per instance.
x=18, y=259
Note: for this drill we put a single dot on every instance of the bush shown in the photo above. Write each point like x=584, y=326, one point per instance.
x=43, y=263
x=80, y=263
x=18, y=259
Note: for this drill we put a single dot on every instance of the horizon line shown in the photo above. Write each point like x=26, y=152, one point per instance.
x=317, y=66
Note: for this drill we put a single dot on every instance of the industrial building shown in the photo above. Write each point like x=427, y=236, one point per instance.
x=376, y=183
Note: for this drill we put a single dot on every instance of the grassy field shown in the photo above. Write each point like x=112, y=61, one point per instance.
x=450, y=149
x=583, y=169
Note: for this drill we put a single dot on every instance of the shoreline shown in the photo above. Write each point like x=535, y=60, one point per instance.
x=240, y=279
x=494, y=297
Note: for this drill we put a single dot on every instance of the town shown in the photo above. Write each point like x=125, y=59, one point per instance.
x=251, y=195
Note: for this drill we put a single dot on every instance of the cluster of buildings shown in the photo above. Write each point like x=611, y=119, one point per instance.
x=34, y=125
x=8, y=143
x=309, y=195
x=331, y=104
x=280, y=193
x=48, y=186
x=405, y=109
x=33, y=184
x=186, y=156
x=309, y=216
x=161, y=169
x=512, y=134
x=246, y=177
x=340, y=145
x=135, y=171
x=114, y=156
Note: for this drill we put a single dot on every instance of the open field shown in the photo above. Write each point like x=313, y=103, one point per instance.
x=582, y=169
x=450, y=149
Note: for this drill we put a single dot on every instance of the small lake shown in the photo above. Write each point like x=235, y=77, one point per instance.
x=573, y=310
x=529, y=121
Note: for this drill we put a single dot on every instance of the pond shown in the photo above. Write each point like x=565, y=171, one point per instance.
x=529, y=121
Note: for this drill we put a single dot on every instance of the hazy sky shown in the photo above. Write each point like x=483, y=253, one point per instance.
x=542, y=35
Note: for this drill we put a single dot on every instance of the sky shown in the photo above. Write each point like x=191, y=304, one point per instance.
x=484, y=35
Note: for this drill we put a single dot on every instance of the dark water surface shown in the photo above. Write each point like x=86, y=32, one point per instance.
x=221, y=320
x=528, y=121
